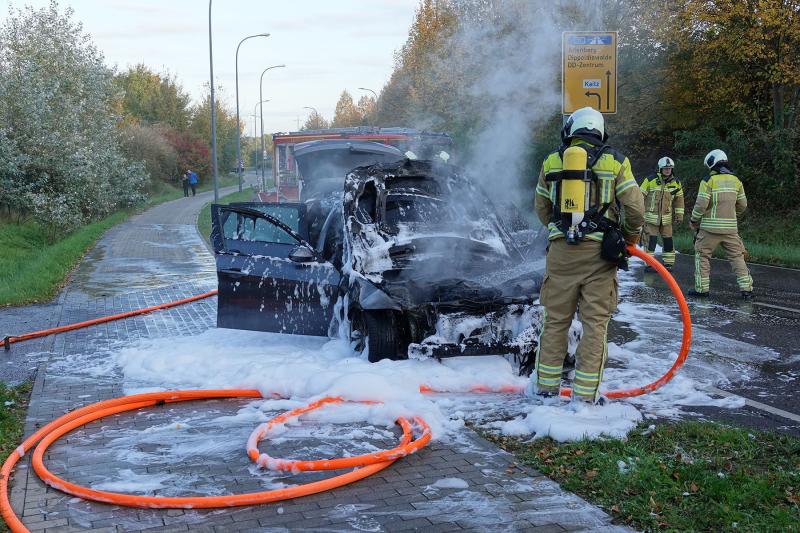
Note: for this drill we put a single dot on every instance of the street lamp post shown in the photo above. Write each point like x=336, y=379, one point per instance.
x=370, y=90
x=213, y=110
x=314, y=109
x=255, y=123
x=261, y=97
x=238, y=126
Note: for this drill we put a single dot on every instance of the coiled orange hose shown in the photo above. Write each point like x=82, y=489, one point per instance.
x=62, y=425
x=264, y=460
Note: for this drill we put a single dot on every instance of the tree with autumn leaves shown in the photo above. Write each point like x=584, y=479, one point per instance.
x=158, y=117
x=693, y=75
x=348, y=113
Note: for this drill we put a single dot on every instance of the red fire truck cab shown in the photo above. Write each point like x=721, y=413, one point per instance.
x=288, y=179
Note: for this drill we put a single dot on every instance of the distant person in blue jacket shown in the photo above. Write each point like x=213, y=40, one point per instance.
x=192, y=181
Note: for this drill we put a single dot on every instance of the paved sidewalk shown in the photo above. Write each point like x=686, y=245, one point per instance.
x=154, y=249
x=158, y=257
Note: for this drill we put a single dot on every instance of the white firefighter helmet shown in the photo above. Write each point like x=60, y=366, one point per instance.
x=585, y=120
x=714, y=157
x=665, y=162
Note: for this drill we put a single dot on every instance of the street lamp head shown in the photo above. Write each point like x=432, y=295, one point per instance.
x=369, y=90
x=270, y=68
x=262, y=35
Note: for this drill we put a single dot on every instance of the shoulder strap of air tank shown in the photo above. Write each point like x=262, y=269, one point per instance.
x=595, y=153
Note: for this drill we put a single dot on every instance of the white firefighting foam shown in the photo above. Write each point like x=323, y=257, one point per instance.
x=304, y=368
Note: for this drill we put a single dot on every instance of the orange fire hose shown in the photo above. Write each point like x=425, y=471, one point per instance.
x=369, y=463
x=59, y=427
x=11, y=339
x=264, y=460
x=686, y=340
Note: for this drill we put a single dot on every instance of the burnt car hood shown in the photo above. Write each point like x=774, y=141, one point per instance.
x=442, y=242
x=433, y=257
x=453, y=270
x=324, y=164
x=457, y=271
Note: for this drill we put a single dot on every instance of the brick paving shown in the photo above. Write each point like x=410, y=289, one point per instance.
x=198, y=447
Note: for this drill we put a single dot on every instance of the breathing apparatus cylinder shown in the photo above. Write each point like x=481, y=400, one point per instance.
x=574, y=192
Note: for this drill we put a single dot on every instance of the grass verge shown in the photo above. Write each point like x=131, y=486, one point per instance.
x=33, y=269
x=684, y=476
x=770, y=240
x=13, y=406
x=204, y=217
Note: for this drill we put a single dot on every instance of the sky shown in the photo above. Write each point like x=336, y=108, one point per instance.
x=326, y=45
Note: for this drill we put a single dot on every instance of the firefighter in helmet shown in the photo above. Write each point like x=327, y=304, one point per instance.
x=720, y=202
x=589, y=200
x=663, y=202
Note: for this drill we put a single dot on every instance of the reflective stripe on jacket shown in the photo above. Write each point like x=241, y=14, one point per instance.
x=615, y=185
x=663, y=200
x=720, y=201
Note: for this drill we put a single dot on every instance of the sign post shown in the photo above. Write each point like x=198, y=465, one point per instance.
x=589, y=71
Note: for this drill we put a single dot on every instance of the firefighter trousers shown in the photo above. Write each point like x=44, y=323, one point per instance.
x=704, y=245
x=577, y=278
x=668, y=252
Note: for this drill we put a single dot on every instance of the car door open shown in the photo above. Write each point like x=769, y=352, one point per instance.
x=269, y=276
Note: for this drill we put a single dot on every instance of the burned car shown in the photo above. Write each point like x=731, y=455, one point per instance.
x=402, y=257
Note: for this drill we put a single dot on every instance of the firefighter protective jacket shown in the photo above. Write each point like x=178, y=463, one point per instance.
x=663, y=200
x=720, y=201
x=615, y=186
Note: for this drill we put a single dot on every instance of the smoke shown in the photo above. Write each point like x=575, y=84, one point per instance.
x=507, y=55
x=519, y=59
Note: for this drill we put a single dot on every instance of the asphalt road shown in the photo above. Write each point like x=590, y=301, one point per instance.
x=763, y=363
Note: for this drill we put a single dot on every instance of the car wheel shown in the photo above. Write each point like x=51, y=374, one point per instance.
x=358, y=331
x=526, y=360
x=381, y=335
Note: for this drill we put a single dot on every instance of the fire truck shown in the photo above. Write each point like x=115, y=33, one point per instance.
x=288, y=179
